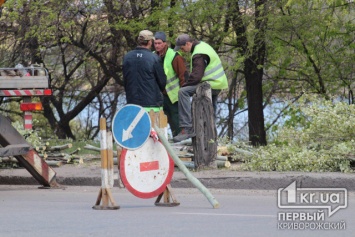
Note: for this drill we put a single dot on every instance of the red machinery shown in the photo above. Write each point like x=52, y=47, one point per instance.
x=25, y=83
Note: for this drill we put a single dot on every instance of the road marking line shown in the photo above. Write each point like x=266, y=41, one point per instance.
x=214, y=214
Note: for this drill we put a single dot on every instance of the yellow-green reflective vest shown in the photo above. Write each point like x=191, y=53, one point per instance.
x=172, y=81
x=214, y=72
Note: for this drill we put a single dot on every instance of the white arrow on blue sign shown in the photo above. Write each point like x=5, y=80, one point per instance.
x=131, y=126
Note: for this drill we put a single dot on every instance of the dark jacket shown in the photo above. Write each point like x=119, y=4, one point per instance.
x=144, y=78
x=199, y=64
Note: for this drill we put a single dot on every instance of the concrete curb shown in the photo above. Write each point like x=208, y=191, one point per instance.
x=257, y=182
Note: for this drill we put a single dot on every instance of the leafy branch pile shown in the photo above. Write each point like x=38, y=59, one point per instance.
x=31, y=136
x=54, y=151
x=318, y=136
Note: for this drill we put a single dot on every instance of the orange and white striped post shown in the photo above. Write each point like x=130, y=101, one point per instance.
x=105, y=195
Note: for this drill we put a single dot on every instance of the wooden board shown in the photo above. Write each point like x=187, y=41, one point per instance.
x=205, y=142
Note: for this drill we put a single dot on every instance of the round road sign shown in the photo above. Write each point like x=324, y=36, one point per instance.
x=147, y=170
x=131, y=126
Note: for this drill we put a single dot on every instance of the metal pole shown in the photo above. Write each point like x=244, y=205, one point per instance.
x=186, y=172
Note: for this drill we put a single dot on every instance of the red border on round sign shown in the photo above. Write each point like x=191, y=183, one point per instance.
x=140, y=194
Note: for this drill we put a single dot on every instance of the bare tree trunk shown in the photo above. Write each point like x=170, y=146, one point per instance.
x=257, y=135
x=253, y=68
x=232, y=107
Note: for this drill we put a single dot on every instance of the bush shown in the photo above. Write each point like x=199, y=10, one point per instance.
x=317, y=137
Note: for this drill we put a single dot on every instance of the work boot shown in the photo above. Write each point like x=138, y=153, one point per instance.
x=185, y=133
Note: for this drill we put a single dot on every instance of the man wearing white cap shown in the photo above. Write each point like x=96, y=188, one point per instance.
x=205, y=65
x=143, y=74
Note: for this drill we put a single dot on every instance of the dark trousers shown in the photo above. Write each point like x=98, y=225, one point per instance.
x=185, y=94
x=172, y=112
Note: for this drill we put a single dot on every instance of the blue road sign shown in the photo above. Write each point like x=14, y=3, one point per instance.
x=131, y=126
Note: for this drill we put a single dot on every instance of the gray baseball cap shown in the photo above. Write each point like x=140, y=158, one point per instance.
x=181, y=41
x=160, y=35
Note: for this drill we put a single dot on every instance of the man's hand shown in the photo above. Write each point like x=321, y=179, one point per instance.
x=154, y=135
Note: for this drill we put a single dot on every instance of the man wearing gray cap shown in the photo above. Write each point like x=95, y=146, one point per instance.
x=205, y=65
x=143, y=75
x=175, y=70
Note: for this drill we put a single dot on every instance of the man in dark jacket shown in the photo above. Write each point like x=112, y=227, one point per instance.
x=143, y=74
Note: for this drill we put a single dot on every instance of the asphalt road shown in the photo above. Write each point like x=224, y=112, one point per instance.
x=29, y=211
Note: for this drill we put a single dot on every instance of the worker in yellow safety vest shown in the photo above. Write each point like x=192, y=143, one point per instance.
x=176, y=74
x=205, y=65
